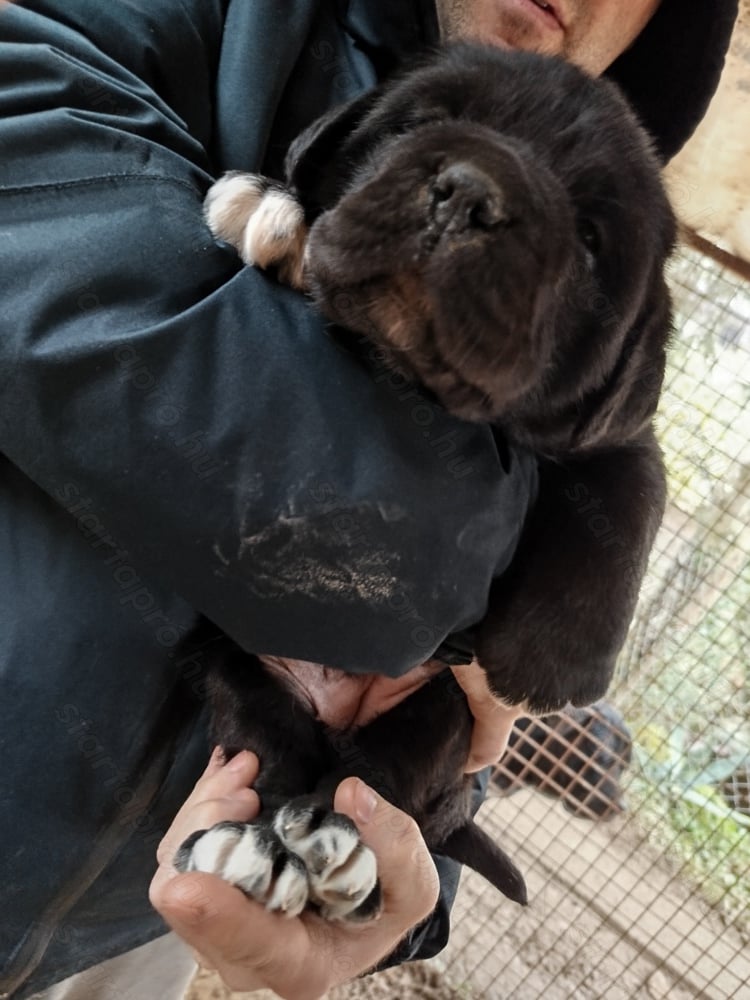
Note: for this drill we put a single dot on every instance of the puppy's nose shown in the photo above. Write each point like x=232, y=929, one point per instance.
x=465, y=198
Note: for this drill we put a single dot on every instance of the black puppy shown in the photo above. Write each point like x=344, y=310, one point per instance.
x=496, y=222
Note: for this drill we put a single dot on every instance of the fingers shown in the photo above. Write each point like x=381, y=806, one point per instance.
x=220, y=793
x=493, y=720
x=222, y=777
x=248, y=946
x=301, y=958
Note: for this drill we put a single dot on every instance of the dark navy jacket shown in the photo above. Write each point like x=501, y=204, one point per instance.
x=182, y=447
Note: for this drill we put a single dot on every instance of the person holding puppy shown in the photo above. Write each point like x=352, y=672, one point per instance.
x=172, y=423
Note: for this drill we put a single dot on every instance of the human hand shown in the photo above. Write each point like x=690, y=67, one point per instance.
x=302, y=957
x=493, y=719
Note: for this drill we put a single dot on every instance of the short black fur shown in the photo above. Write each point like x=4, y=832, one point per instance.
x=498, y=224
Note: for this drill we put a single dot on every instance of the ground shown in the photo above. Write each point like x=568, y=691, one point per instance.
x=607, y=917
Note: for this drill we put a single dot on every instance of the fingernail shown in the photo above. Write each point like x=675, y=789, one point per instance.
x=365, y=802
x=239, y=762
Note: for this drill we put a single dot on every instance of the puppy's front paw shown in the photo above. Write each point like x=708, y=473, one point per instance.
x=262, y=221
x=251, y=857
x=342, y=871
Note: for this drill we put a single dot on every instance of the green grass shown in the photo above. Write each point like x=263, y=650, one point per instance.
x=688, y=701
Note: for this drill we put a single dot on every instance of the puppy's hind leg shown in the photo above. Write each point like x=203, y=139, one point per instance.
x=252, y=858
x=262, y=221
x=252, y=710
x=298, y=851
x=342, y=871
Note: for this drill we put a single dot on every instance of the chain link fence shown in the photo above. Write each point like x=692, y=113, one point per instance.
x=638, y=856
x=631, y=819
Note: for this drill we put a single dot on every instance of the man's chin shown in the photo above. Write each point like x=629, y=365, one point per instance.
x=505, y=24
x=492, y=38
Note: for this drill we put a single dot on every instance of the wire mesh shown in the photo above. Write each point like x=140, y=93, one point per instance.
x=655, y=900
x=631, y=819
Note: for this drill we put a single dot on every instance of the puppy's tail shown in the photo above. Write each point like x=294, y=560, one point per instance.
x=471, y=846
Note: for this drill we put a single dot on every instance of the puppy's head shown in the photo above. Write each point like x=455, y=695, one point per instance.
x=496, y=221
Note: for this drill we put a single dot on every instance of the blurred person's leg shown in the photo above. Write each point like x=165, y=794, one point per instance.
x=159, y=970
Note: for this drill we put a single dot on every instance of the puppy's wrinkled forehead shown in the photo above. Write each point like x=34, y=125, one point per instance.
x=532, y=97
x=575, y=124
x=525, y=202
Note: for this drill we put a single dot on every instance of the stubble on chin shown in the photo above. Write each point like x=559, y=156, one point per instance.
x=475, y=20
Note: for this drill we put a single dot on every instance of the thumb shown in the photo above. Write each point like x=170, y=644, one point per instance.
x=493, y=719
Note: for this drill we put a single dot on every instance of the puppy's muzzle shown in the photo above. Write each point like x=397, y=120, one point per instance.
x=464, y=198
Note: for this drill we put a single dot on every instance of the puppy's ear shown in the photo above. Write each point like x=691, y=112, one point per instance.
x=318, y=163
x=624, y=407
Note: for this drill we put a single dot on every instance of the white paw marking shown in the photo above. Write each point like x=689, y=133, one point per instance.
x=291, y=889
x=272, y=230
x=247, y=856
x=265, y=225
x=230, y=202
x=306, y=856
x=342, y=872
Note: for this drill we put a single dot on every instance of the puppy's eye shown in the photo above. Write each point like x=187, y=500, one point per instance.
x=589, y=236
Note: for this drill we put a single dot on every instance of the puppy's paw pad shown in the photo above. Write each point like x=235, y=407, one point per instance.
x=251, y=857
x=261, y=220
x=342, y=871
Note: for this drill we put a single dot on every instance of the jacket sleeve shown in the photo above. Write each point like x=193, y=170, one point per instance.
x=189, y=411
